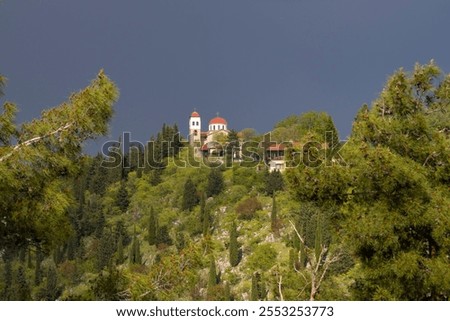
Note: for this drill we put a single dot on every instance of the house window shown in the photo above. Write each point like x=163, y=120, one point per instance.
x=214, y=127
x=195, y=133
x=197, y=123
x=193, y=123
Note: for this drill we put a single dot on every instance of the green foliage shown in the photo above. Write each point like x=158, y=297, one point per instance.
x=22, y=292
x=400, y=167
x=215, y=182
x=152, y=227
x=122, y=198
x=263, y=257
x=274, y=222
x=135, y=256
x=295, y=128
x=34, y=187
x=190, y=196
x=247, y=208
x=258, y=292
x=234, y=251
x=273, y=182
x=105, y=251
x=51, y=289
x=109, y=285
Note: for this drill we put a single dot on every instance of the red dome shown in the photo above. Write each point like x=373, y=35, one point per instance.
x=195, y=114
x=218, y=120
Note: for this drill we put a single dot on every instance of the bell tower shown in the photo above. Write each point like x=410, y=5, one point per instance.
x=195, y=128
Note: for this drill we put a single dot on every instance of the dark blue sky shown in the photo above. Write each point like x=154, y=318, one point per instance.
x=254, y=61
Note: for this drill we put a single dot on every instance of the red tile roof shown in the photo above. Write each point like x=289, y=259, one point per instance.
x=218, y=120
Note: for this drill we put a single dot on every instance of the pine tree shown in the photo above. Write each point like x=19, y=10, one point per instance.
x=190, y=196
x=152, y=227
x=234, y=246
x=41, y=156
x=215, y=182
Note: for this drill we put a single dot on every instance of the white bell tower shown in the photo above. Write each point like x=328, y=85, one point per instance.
x=195, y=128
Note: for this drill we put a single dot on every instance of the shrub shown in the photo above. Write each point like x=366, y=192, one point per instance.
x=247, y=208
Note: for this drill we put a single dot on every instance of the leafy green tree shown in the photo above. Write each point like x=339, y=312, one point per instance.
x=190, y=196
x=215, y=183
x=234, y=246
x=37, y=159
x=296, y=127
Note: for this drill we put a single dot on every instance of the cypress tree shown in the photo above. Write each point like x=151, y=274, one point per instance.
x=122, y=198
x=51, y=291
x=318, y=238
x=215, y=182
x=152, y=227
x=234, y=246
x=23, y=292
x=6, y=293
x=120, y=255
x=273, y=216
x=135, y=251
x=274, y=182
x=212, y=278
x=37, y=268
x=105, y=251
x=163, y=236
x=190, y=197
x=206, y=227
x=258, y=290
x=255, y=287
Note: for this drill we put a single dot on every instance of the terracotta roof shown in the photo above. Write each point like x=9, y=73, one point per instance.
x=218, y=120
x=276, y=147
x=195, y=114
x=205, y=147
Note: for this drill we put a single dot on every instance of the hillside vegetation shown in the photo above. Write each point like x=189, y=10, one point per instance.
x=364, y=220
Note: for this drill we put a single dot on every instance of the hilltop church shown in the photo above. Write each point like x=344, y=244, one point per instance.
x=217, y=129
x=209, y=143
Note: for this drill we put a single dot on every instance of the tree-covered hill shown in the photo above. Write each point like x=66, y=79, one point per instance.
x=364, y=220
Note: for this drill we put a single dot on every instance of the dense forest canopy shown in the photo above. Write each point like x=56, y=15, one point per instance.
x=364, y=220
